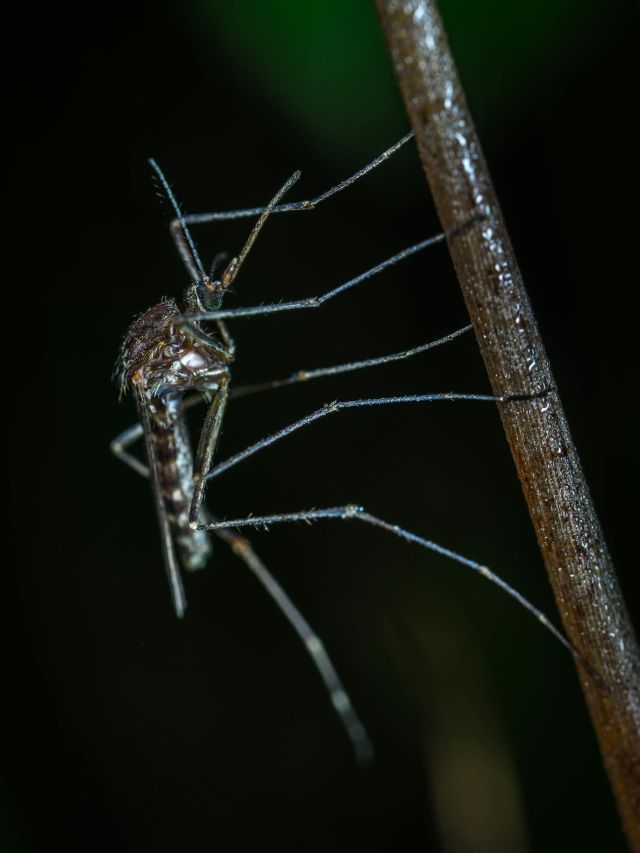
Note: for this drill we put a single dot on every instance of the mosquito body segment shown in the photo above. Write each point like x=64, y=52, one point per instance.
x=159, y=354
x=161, y=361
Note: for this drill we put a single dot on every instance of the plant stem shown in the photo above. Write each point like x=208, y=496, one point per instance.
x=568, y=531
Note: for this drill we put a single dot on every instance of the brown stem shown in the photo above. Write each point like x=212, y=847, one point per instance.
x=566, y=525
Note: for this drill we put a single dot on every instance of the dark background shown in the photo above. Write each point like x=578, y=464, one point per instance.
x=129, y=730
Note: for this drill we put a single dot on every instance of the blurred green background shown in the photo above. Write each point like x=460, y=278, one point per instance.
x=322, y=63
x=130, y=731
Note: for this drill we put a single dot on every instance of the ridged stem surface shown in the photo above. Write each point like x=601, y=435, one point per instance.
x=567, y=528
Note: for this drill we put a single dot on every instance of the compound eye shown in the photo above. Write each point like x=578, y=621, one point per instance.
x=209, y=296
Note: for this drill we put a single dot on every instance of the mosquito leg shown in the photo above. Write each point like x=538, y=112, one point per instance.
x=206, y=447
x=134, y=433
x=316, y=301
x=119, y=448
x=338, y=406
x=225, y=353
x=306, y=375
x=310, y=204
x=185, y=244
x=229, y=343
x=339, y=698
x=351, y=511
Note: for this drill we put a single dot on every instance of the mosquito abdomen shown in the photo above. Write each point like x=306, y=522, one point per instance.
x=175, y=478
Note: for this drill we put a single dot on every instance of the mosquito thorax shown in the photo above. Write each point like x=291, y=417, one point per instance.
x=159, y=356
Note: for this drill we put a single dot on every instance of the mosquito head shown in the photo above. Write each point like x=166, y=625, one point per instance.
x=205, y=295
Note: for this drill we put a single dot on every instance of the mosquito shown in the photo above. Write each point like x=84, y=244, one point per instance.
x=177, y=354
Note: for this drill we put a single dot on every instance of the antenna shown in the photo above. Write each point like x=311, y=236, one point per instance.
x=192, y=259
